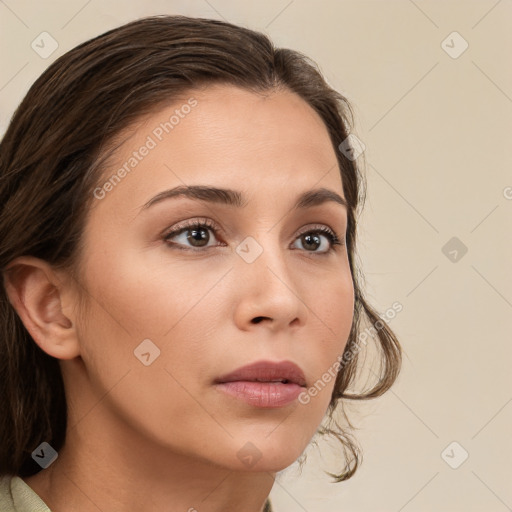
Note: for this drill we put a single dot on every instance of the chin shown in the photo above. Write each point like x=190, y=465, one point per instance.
x=268, y=453
x=274, y=464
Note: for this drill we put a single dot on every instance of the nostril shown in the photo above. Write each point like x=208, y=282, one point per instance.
x=258, y=319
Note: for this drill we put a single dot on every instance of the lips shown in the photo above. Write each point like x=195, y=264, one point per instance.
x=264, y=384
x=284, y=372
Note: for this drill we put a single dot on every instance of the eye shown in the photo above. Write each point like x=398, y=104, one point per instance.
x=196, y=235
x=312, y=239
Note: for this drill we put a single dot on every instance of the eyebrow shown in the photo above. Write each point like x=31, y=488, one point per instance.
x=230, y=197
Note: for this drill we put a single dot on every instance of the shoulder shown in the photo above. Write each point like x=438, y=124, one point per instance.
x=17, y=496
x=6, y=500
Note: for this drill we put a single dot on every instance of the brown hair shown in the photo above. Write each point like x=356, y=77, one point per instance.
x=50, y=161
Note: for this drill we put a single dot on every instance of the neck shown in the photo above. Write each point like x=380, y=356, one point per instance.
x=114, y=469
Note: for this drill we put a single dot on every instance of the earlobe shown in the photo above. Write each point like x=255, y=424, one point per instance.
x=39, y=297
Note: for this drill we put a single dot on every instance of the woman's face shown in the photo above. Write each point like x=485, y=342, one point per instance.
x=170, y=314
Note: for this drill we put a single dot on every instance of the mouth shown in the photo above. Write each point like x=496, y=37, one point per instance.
x=264, y=384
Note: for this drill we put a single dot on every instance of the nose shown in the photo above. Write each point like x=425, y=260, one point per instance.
x=268, y=291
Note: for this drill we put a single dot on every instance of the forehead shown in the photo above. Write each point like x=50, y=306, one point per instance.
x=219, y=135
x=233, y=120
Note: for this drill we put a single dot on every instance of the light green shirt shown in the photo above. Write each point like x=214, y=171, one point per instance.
x=17, y=496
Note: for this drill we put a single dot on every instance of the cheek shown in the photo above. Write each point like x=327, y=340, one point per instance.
x=338, y=307
x=127, y=308
x=331, y=307
x=334, y=308
x=148, y=296
x=137, y=297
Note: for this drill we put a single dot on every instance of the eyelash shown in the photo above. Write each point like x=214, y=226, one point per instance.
x=207, y=223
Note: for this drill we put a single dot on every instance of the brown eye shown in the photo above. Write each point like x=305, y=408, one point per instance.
x=312, y=240
x=194, y=235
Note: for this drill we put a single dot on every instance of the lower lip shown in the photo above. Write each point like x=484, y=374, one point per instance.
x=262, y=394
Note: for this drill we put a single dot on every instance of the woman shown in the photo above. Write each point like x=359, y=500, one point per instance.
x=181, y=307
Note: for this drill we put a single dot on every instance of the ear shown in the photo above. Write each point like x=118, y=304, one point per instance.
x=40, y=298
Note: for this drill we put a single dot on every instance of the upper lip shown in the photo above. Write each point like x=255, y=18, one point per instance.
x=266, y=371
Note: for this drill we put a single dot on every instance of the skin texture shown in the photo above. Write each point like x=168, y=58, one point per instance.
x=162, y=437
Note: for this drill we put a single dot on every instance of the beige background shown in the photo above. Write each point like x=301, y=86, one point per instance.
x=438, y=160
